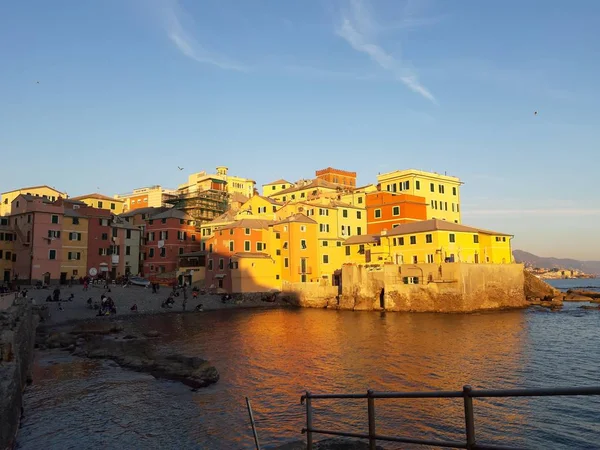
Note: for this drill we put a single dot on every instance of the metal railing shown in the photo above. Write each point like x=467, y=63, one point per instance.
x=467, y=394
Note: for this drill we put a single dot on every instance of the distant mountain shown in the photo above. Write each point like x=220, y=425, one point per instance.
x=592, y=267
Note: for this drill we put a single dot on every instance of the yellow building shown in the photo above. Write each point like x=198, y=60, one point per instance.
x=253, y=272
x=442, y=192
x=208, y=229
x=306, y=190
x=258, y=207
x=7, y=251
x=293, y=247
x=357, y=197
x=74, y=236
x=114, y=205
x=276, y=186
x=432, y=242
x=44, y=191
x=200, y=181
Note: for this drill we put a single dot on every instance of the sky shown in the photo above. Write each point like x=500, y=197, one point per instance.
x=113, y=95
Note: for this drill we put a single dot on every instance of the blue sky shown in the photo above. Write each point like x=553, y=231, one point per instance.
x=130, y=89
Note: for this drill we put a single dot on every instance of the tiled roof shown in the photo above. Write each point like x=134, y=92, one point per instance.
x=314, y=184
x=271, y=201
x=251, y=255
x=237, y=197
x=362, y=239
x=226, y=217
x=438, y=225
x=280, y=181
x=72, y=213
x=255, y=224
x=31, y=198
x=97, y=196
x=33, y=187
x=296, y=218
x=172, y=213
x=147, y=210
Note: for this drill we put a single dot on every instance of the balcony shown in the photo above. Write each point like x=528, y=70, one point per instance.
x=305, y=270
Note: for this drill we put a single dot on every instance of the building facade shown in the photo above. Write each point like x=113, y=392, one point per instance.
x=43, y=191
x=74, y=234
x=336, y=176
x=276, y=186
x=147, y=197
x=7, y=251
x=386, y=210
x=114, y=205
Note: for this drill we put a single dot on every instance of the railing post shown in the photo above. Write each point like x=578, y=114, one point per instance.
x=469, y=417
x=309, y=424
x=371, y=410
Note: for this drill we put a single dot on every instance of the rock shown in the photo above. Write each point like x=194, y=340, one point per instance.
x=591, y=294
x=589, y=307
x=129, y=336
x=152, y=334
x=536, y=288
x=573, y=297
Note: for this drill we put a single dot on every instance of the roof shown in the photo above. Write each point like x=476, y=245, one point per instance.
x=438, y=225
x=147, y=210
x=280, y=181
x=314, y=184
x=239, y=198
x=73, y=213
x=270, y=200
x=31, y=198
x=33, y=187
x=172, y=213
x=362, y=239
x=251, y=255
x=415, y=172
x=73, y=202
x=227, y=217
x=299, y=217
x=254, y=224
x=97, y=196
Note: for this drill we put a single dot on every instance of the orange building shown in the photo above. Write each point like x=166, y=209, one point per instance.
x=387, y=210
x=341, y=177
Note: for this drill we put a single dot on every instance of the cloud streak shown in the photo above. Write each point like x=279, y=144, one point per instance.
x=357, y=27
x=173, y=17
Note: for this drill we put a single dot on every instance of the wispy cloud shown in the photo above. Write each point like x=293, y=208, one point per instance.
x=173, y=17
x=358, y=28
x=547, y=212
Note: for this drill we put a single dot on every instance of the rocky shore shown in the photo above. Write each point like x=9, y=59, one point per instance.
x=106, y=340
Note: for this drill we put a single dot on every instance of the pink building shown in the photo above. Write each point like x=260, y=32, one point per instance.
x=37, y=224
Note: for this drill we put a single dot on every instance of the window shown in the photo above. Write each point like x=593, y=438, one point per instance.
x=151, y=253
x=359, y=230
x=277, y=235
x=454, y=191
x=53, y=234
x=324, y=227
x=259, y=247
x=150, y=222
x=504, y=239
x=105, y=236
x=221, y=263
x=396, y=211
x=231, y=246
x=303, y=244
x=128, y=234
x=476, y=238
x=278, y=252
x=441, y=188
x=246, y=246
x=54, y=218
x=74, y=236
x=361, y=249
x=401, y=241
x=323, y=212
x=360, y=200
x=452, y=237
x=247, y=231
x=284, y=198
x=277, y=277
x=210, y=264
x=429, y=259
x=164, y=235
x=339, y=243
x=347, y=250
x=325, y=244
x=14, y=257
x=417, y=185
x=285, y=245
x=325, y=259
x=127, y=250
x=114, y=232
x=377, y=213
x=432, y=187
x=163, y=220
x=303, y=228
x=1, y=253
x=286, y=262
x=359, y=214
x=344, y=213
x=428, y=238
x=413, y=240
x=112, y=206
x=51, y=254
x=163, y=252
x=415, y=260
x=8, y=256
x=99, y=204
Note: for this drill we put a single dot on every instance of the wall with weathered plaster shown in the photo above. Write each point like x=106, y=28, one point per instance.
x=310, y=295
x=449, y=287
x=17, y=338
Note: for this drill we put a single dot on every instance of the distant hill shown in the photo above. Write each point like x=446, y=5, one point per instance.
x=592, y=267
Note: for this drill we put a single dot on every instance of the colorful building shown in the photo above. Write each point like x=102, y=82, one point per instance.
x=74, y=236
x=305, y=190
x=114, y=205
x=37, y=223
x=441, y=192
x=259, y=207
x=386, y=210
x=99, y=243
x=147, y=197
x=276, y=187
x=7, y=251
x=431, y=242
x=125, y=254
x=43, y=191
x=336, y=176
x=168, y=234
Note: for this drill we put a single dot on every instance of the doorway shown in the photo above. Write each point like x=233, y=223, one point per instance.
x=63, y=278
x=47, y=278
x=7, y=276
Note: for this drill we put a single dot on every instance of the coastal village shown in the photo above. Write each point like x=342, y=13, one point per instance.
x=218, y=231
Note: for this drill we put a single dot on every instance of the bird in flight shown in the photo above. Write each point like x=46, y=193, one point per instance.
x=37, y=82
x=535, y=113
x=180, y=168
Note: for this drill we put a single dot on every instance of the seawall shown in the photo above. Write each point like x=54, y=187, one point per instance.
x=449, y=288
x=17, y=337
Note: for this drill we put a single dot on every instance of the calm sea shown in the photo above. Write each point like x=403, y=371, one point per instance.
x=273, y=356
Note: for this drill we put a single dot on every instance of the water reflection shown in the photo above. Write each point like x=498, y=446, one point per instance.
x=273, y=356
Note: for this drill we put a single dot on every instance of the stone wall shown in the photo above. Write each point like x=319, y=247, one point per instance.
x=17, y=337
x=449, y=287
x=310, y=295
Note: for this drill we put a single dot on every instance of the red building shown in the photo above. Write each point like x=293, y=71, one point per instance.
x=99, y=241
x=386, y=210
x=168, y=234
x=337, y=176
x=246, y=236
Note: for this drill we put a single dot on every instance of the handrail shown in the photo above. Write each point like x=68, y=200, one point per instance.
x=468, y=394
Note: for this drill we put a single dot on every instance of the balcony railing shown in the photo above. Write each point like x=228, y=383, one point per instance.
x=467, y=394
x=305, y=270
